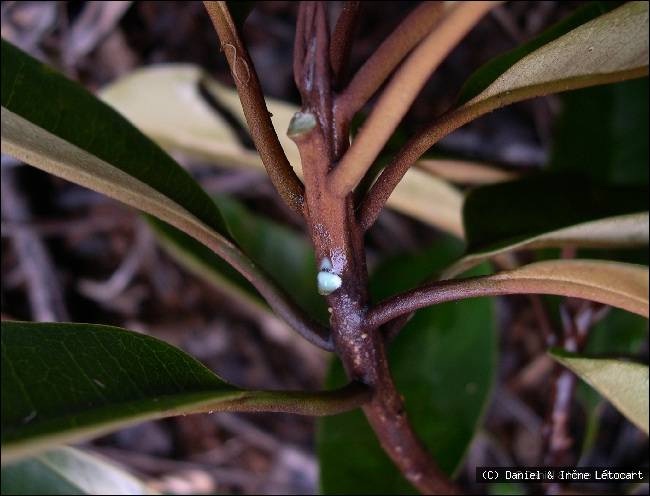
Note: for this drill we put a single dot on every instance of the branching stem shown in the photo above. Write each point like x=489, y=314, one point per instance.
x=266, y=141
x=342, y=40
x=401, y=91
x=502, y=283
x=388, y=55
x=456, y=118
x=338, y=241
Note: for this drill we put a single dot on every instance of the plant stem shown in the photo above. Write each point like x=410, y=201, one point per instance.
x=336, y=235
x=456, y=118
x=337, y=238
x=266, y=141
x=388, y=55
x=342, y=40
x=502, y=283
x=319, y=403
x=401, y=91
x=578, y=318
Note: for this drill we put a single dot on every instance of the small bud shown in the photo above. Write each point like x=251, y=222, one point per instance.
x=301, y=123
x=328, y=282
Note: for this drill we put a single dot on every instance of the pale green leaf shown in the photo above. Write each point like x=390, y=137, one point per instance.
x=612, y=47
x=618, y=284
x=166, y=103
x=68, y=470
x=623, y=383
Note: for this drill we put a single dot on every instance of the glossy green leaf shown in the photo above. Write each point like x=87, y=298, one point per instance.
x=602, y=133
x=611, y=47
x=551, y=211
x=444, y=401
x=623, y=383
x=68, y=471
x=66, y=382
x=166, y=102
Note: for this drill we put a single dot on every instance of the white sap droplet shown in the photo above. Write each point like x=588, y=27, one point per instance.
x=328, y=282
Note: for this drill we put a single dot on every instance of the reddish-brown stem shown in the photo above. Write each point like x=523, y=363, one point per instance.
x=456, y=118
x=401, y=92
x=311, y=66
x=388, y=55
x=342, y=40
x=503, y=283
x=559, y=439
x=338, y=240
x=337, y=237
x=257, y=115
x=578, y=317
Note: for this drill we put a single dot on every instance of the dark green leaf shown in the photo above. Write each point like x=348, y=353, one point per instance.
x=508, y=213
x=549, y=210
x=602, y=133
x=66, y=382
x=68, y=132
x=284, y=254
x=68, y=471
x=444, y=400
x=45, y=98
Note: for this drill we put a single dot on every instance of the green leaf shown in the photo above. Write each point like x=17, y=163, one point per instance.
x=623, y=383
x=83, y=128
x=167, y=104
x=202, y=262
x=444, y=401
x=283, y=253
x=68, y=132
x=66, y=382
x=488, y=73
x=602, y=132
x=551, y=211
x=612, y=47
x=68, y=471
x=618, y=333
